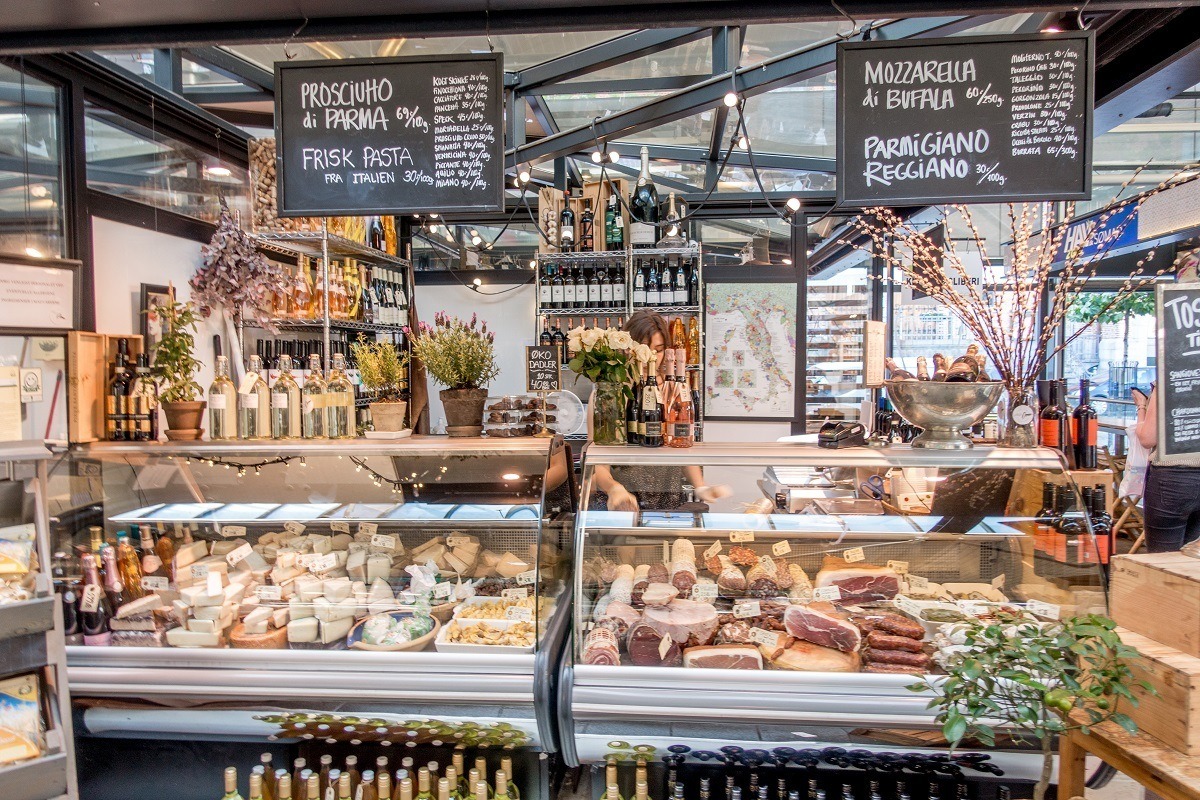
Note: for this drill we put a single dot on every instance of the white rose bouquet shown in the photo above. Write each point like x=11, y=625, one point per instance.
x=603, y=355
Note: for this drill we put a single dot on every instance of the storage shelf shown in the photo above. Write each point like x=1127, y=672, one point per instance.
x=309, y=243
x=334, y=325
x=586, y=312
x=440, y=446
x=42, y=778
x=25, y=618
x=669, y=309
x=20, y=654
x=586, y=256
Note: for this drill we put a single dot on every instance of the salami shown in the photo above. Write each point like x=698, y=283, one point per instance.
x=896, y=657
x=600, y=648
x=885, y=641
x=894, y=669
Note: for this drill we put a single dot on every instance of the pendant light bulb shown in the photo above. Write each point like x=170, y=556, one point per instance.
x=476, y=240
x=793, y=204
x=477, y=283
x=597, y=157
x=33, y=252
x=731, y=99
x=614, y=156
x=523, y=176
x=533, y=264
x=743, y=143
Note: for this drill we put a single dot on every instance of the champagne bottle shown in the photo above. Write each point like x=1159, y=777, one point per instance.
x=285, y=403
x=94, y=610
x=231, y=791
x=922, y=368
x=129, y=567
x=643, y=206
x=682, y=414
x=222, y=404
x=672, y=229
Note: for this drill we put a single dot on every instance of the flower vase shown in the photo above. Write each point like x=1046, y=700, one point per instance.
x=608, y=413
x=1018, y=417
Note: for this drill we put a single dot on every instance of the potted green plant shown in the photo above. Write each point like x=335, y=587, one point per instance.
x=1032, y=678
x=383, y=369
x=462, y=357
x=175, y=366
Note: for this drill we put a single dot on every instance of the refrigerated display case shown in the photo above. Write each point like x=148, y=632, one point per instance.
x=795, y=612
x=367, y=592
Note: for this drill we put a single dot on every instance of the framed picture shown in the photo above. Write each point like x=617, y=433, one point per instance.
x=39, y=295
x=750, y=330
x=151, y=298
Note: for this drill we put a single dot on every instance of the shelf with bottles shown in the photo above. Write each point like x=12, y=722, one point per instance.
x=336, y=325
x=315, y=243
x=360, y=296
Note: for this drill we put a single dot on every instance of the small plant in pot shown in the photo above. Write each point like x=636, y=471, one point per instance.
x=462, y=357
x=175, y=366
x=383, y=369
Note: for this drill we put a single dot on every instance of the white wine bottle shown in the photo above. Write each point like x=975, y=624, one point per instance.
x=423, y=792
x=222, y=404
x=254, y=405
x=506, y=765
x=339, y=403
x=283, y=786
x=256, y=785
x=312, y=398
x=285, y=403
x=231, y=792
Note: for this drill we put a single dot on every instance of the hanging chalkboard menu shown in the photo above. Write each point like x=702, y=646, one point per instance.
x=390, y=135
x=978, y=119
x=542, y=368
x=1178, y=387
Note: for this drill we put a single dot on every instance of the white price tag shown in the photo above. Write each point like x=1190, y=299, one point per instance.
x=239, y=553
x=747, y=608
x=1038, y=608
x=443, y=590
x=917, y=583
x=998, y=581
x=248, y=383
x=898, y=567
x=907, y=605
x=457, y=541
x=972, y=608
x=827, y=593
x=368, y=528
x=199, y=572
x=854, y=554
x=153, y=584
x=712, y=551
x=781, y=548
x=339, y=527
x=384, y=541
x=741, y=536
x=323, y=563
x=520, y=593
x=704, y=592
x=664, y=647
x=294, y=528
x=527, y=578
x=233, y=531
x=90, y=602
x=766, y=638
x=306, y=560
x=214, y=586
x=269, y=592
x=767, y=563
x=519, y=614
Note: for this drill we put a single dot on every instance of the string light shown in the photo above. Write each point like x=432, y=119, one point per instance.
x=743, y=143
x=524, y=175
x=731, y=99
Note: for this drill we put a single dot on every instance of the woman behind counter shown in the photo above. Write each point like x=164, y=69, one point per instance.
x=658, y=488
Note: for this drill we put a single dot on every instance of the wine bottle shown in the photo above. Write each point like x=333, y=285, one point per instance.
x=940, y=365
x=698, y=426
x=423, y=792
x=895, y=371
x=254, y=403
x=1101, y=523
x=326, y=766
x=313, y=782
x=1052, y=426
x=680, y=295
x=1085, y=425
x=593, y=289
x=643, y=207
x=144, y=402
x=587, y=240
x=343, y=787
x=285, y=403
x=94, y=609
x=559, y=340
x=566, y=226
x=617, y=277
x=653, y=287
x=116, y=413
x=129, y=567
x=506, y=766
x=456, y=761
x=639, y=285
x=606, y=287
x=667, y=396
x=283, y=786
x=614, y=225
x=693, y=340
x=256, y=784
x=557, y=291
x=632, y=406
x=545, y=299
x=545, y=339
x=682, y=415
x=340, y=419
x=672, y=228
x=312, y=398
x=652, y=415
x=299, y=780
x=231, y=790
x=922, y=368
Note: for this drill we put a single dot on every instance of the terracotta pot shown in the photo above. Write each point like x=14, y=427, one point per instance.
x=185, y=419
x=388, y=416
x=464, y=411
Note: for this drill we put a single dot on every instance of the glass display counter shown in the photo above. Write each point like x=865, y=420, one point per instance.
x=800, y=606
x=300, y=584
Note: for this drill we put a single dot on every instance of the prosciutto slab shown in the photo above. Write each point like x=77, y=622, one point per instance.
x=823, y=624
x=685, y=621
x=859, y=582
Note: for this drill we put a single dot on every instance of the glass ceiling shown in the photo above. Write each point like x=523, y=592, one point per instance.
x=693, y=58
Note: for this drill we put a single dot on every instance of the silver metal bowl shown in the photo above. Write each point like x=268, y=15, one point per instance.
x=943, y=410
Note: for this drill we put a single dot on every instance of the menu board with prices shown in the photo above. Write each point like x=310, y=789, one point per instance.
x=390, y=135
x=1178, y=387
x=964, y=120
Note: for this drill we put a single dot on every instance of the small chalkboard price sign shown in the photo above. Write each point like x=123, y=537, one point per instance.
x=962, y=120
x=390, y=135
x=542, y=367
x=1178, y=387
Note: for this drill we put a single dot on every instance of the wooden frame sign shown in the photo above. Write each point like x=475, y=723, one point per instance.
x=39, y=295
x=543, y=363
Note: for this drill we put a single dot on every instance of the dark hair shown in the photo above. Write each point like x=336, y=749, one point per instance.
x=644, y=324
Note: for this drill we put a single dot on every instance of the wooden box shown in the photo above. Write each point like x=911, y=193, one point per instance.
x=1158, y=595
x=550, y=206
x=1173, y=716
x=88, y=358
x=1026, y=498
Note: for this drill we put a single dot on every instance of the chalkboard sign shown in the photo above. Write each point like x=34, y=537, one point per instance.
x=542, y=367
x=390, y=135
x=965, y=120
x=1178, y=387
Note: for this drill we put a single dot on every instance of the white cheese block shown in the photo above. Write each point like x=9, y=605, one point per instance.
x=197, y=596
x=234, y=593
x=248, y=605
x=182, y=637
x=378, y=566
x=420, y=549
x=203, y=626
x=309, y=587
x=321, y=544
x=223, y=547
x=381, y=590
x=255, y=627
x=281, y=573
x=279, y=617
x=299, y=609
x=270, y=552
x=209, y=612
x=510, y=566
x=302, y=630
x=181, y=609
x=143, y=605
x=215, y=564
x=356, y=565
x=253, y=561
x=262, y=614
x=336, y=630
x=337, y=589
x=329, y=612
x=271, y=538
x=188, y=554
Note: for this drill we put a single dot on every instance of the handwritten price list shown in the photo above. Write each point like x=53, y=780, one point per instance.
x=463, y=137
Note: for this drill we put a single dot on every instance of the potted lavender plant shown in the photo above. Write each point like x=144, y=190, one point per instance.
x=462, y=357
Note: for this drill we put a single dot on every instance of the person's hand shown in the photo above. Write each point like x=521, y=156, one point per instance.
x=710, y=494
x=619, y=499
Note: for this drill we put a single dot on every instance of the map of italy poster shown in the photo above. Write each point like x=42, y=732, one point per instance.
x=750, y=351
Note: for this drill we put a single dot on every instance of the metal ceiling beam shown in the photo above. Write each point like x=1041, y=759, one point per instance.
x=202, y=95
x=782, y=70
x=39, y=27
x=659, y=180
x=546, y=119
x=665, y=83
x=233, y=66
x=740, y=158
x=605, y=54
x=726, y=56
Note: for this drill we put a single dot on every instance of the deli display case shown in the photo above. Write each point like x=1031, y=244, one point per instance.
x=359, y=592
x=795, y=612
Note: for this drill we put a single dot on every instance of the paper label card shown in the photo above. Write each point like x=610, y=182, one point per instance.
x=519, y=593
x=917, y=583
x=527, y=578
x=90, y=601
x=236, y=555
x=907, y=605
x=898, y=567
x=781, y=548
x=766, y=638
x=519, y=614
x=712, y=551
x=233, y=531
x=294, y=528
x=704, y=592
x=827, y=593
x=664, y=647
x=384, y=541
x=153, y=584
x=443, y=590
x=741, y=536
x=339, y=527
x=269, y=592
x=368, y=528
x=199, y=572
x=854, y=554
x=1041, y=609
x=747, y=608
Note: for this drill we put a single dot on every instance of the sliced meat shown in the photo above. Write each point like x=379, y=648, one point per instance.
x=858, y=582
x=731, y=582
x=890, y=622
x=683, y=576
x=622, y=611
x=737, y=632
x=687, y=621
x=808, y=657
x=896, y=657
x=823, y=624
x=723, y=656
x=658, y=573
x=659, y=594
x=879, y=640
x=644, y=645
x=600, y=648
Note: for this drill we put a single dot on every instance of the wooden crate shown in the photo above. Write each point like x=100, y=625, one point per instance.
x=1026, y=498
x=88, y=358
x=1173, y=716
x=1158, y=596
x=550, y=206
